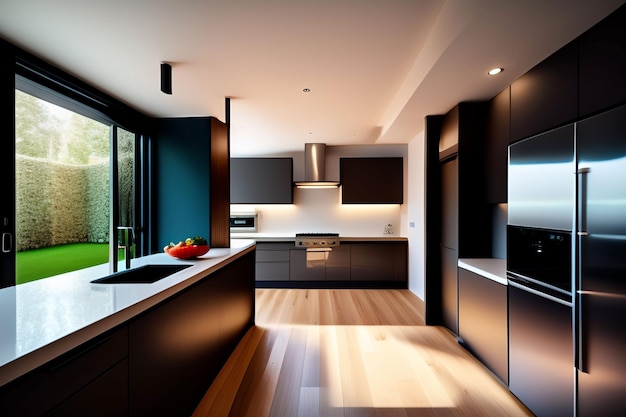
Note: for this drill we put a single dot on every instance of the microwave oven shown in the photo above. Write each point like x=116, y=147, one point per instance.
x=243, y=222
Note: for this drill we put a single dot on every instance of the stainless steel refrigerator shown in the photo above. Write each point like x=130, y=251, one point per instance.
x=600, y=319
x=566, y=266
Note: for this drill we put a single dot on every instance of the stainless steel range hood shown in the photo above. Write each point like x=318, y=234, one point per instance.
x=315, y=167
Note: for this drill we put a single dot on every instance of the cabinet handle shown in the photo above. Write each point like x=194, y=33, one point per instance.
x=7, y=242
x=55, y=367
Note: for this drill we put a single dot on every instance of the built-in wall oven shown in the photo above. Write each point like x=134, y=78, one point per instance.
x=244, y=222
x=540, y=272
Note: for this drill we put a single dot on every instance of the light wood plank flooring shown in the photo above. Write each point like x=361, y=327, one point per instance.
x=340, y=353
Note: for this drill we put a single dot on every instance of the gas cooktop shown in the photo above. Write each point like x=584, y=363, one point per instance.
x=317, y=234
x=317, y=240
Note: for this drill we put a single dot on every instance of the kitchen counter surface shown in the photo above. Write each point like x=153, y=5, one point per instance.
x=491, y=268
x=285, y=237
x=43, y=319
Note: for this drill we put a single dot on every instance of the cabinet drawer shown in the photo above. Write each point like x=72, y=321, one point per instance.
x=272, y=256
x=272, y=271
x=57, y=380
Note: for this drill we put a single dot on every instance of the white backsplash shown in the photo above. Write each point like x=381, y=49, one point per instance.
x=320, y=210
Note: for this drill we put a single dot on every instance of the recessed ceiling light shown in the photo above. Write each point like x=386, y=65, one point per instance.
x=495, y=71
x=306, y=90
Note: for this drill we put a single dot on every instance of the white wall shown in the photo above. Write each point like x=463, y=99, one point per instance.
x=320, y=210
x=416, y=216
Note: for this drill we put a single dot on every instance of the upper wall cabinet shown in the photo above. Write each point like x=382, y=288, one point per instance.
x=547, y=95
x=603, y=64
x=261, y=180
x=497, y=139
x=371, y=180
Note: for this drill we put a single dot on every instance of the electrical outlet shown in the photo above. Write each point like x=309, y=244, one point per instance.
x=389, y=229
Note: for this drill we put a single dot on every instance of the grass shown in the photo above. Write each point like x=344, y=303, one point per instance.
x=35, y=264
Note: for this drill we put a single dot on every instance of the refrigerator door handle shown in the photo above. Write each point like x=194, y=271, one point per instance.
x=539, y=293
x=579, y=334
x=582, y=201
x=582, y=233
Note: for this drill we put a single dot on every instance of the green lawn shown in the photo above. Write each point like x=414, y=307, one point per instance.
x=35, y=264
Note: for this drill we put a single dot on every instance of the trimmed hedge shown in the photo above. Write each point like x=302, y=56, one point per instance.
x=58, y=203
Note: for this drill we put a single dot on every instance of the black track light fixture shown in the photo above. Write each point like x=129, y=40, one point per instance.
x=166, y=78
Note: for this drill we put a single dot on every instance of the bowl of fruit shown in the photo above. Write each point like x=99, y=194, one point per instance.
x=188, y=249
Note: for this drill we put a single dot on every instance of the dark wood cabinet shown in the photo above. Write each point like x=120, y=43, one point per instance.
x=483, y=321
x=371, y=180
x=94, y=373
x=261, y=180
x=497, y=140
x=455, y=181
x=272, y=261
x=178, y=347
x=352, y=264
x=378, y=261
x=602, y=80
x=547, y=95
x=106, y=396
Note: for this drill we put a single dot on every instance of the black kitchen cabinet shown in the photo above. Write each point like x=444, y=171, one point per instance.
x=272, y=261
x=261, y=180
x=497, y=140
x=602, y=83
x=105, y=397
x=178, y=347
x=547, y=95
x=94, y=374
x=371, y=180
x=378, y=261
x=483, y=325
x=461, y=212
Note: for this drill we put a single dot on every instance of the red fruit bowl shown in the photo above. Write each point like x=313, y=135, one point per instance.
x=186, y=251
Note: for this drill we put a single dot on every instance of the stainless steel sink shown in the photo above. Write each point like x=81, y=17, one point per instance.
x=145, y=274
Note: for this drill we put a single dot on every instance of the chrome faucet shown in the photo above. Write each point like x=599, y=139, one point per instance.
x=126, y=239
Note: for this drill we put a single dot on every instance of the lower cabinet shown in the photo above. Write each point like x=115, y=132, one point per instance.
x=353, y=264
x=272, y=261
x=483, y=321
x=93, y=377
x=378, y=261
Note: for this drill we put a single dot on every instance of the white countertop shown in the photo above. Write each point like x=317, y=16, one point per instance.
x=492, y=268
x=43, y=319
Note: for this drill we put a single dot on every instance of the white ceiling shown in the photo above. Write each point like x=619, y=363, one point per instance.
x=375, y=68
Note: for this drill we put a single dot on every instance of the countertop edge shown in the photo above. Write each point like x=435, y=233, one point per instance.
x=490, y=268
x=291, y=238
x=21, y=365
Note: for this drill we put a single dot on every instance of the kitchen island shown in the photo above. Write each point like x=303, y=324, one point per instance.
x=145, y=339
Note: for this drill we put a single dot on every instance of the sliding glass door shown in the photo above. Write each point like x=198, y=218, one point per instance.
x=75, y=191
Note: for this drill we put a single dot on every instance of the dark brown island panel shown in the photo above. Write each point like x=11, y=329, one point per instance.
x=161, y=362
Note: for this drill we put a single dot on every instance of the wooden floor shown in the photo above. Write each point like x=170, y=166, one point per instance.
x=328, y=353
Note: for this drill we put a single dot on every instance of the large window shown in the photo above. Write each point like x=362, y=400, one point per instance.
x=75, y=190
x=62, y=165
x=75, y=166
